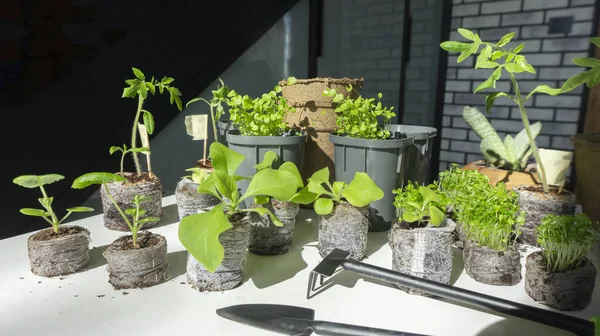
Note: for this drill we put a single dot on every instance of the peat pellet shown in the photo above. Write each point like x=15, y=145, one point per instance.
x=268, y=239
x=569, y=290
x=229, y=274
x=65, y=252
x=130, y=267
x=345, y=228
x=189, y=201
x=536, y=205
x=124, y=192
x=491, y=267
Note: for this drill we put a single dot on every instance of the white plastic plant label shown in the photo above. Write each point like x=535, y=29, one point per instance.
x=144, y=135
x=197, y=126
x=556, y=163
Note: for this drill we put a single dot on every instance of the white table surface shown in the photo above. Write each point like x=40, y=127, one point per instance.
x=86, y=304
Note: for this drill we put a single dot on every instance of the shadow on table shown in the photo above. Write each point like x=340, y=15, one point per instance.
x=519, y=327
x=266, y=271
x=376, y=241
x=458, y=265
x=96, y=257
x=177, y=262
x=170, y=216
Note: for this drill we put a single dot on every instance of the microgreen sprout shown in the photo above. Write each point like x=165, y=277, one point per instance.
x=417, y=204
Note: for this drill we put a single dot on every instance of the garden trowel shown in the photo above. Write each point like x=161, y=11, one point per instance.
x=292, y=320
x=337, y=259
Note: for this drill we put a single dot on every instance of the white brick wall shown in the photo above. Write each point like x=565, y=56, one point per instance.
x=550, y=54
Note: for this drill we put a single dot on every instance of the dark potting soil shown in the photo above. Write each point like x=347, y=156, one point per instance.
x=126, y=242
x=295, y=131
x=393, y=135
x=265, y=237
x=205, y=164
x=411, y=226
x=568, y=290
x=49, y=234
x=134, y=178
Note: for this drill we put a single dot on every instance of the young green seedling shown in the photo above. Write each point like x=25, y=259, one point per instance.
x=361, y=117
x=198, y=174
x=496, y=56
x=48, y=214
x=124, y=152
x=263, y=116
x=360, y=192
x=199, y=233
x=419, y=204
x=135, y=223
x=566, y=240
x=139, y=87
x=220, y=96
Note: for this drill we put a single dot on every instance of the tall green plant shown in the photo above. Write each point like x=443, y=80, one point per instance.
x=502, y=60
x=220, y=97
x=140, y=87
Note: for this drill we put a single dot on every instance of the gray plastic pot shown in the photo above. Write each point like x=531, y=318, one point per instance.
x=223, y=126
x=380, y=159
x=288, y=149
x=416, y=169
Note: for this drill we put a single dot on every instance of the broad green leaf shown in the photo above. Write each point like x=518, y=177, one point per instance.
x=491, y=81
x=267, y=161
x=544, y=89
x=34, y=212
x=148, y=219
x=89, y=179
x=509, y=145
x=199, y=234
x=362, y=191
x=337, y=187
x=208, y=186
x=467, y=34
x=130, y=92
x=148, y=122
x=292, y=169
x=428, y=194
x=505, y=39
x=281, y=185
x=514, y=67
x=496, y=55
x=139, y=74
x=590, y=78
x=488, y=65
x=130, y=212
x=167, y=80
x=595, y=41
x=436, y=216
x=225, y=159
x=323, y=206
x=454, y=46
x=114, y=149
x=151, y=87
x=410, y=217
x=484, y=57
x=480, y=124
x=304, y=197
x=316, y=188
x=465, y=54
x=50, y=178
x=522, y=143
x=519, y=48
x=586, y=62
x=80, y=209
x=34, y=181
x=265, y=211
x=291, y=80
x=225, y=185
x=261, y=199
x=143, y=90
x=489, y=100
x=320, y=176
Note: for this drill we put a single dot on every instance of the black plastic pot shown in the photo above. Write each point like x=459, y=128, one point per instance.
x=223, y=126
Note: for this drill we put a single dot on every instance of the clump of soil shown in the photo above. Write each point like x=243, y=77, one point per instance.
x=133, y=178
x=62, y=231
x=126, y=242
x=205, y=164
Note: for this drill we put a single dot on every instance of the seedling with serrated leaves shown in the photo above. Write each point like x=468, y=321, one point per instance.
x=199, y=233
x=418, y=204
x=220, y=97
x=360, y=192
x=361, y=117
x=48, y=214
x=135, y=223
x=262, y=116
x=124, y=152
x=501, y=59
x=140, y=87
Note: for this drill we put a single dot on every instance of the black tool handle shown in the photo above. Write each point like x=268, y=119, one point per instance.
x=339, y=329
x=573, y=324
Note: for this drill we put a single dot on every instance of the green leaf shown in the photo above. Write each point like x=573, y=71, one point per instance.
x=199, y=234
x=304, y=197
x=467, y=34
x=320, y=176
x=34, y=181
x=291, y=80
x=281, y=185
x=148, y=121
x=454, y=46
x=428, y=195
x=489, y=100
x=267, y=161
x=89, y=179
x=167, y=80
x=225, y=185
x=225, y=159
x=261, y=199
x=195, y=100
x=46, y=202
x=143, y=90
x=596, y=319
x=338, y=186
x=590, y=78
x=323, y=206
x=130, y=212
x=484, y=57
x=208, y=186
x=292, y=169
x=34, y=212
x=410, y=217
x=519, y=48
x=114, y=149
x=338, y=98
x=362, y=191
x=80, y=209
x=436, y=216
x=130, y=92
x=491, y=81
x=544, y=89
x=595, y=41
x=148, y=219
x=514, y=67
x=587, y=62
x=138, y=74
x=465, y=54
x=316, y=188
x=505, y=39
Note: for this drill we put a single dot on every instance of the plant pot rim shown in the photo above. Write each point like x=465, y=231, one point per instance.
x=82, y=231
x=370, y=143
x=449, y=227
x=539, y=189
x=588, y=139
x=235, y=138
x=343, y=80
x=510, y=249
x=416, y=131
